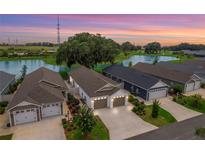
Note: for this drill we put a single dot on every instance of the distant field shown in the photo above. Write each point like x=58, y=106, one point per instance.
x=34, y=49
x=32, y=52
x=27, y=47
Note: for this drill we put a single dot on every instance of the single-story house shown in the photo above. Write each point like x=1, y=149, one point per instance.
x=96, y=90
x=195, y=67
x=138, y=83
x=6, y=80
x=197, y=53
x=40, y=95
x=189, y=81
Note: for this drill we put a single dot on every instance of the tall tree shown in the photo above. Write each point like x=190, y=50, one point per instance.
x=127, y=46
x=85, y=120
x=155, y=109
x=152, y=48
x=87, y=49
x=23, y=72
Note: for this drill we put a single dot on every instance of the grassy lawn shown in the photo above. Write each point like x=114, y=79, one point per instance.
x=182, y=59
x=26, y=48
x=125, y=55
x=163, y=118
x=50, y=60
x=99, y=67
x=98, y=133
x=194, y=102
x=6, y=137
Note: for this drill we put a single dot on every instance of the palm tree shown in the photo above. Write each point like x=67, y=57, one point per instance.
x=84, y=120
x=155, y=109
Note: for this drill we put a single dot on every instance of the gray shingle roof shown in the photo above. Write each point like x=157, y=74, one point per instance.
x=131, y=75
x=91, y=81
x=197, y=68
x=163, y=72
x=39, y=87
x=5, y=80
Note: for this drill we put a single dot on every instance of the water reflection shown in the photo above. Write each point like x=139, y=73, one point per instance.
x=14, y=67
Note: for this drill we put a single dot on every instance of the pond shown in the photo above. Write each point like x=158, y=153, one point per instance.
x=147, y=59
x=15, y=66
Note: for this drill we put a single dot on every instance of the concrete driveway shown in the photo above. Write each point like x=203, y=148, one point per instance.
x=198, y=91
x=178, y=111
x=123, y=123
x=47, y=129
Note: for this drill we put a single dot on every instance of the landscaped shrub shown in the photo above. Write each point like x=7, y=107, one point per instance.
x=64, y=74
x=2, y=110
x=85, y=120
x=196, y=102
x=177, y=89
x=64, y=121
x=155, y=109
x=131, y=98
x=130, y=64
x=203, y=85
x=65, y=125
x=70, y=97
x=174, y=98
x=139, y=109
x=200, y=132
x=136, y=102
x=69, y=129
x=3, y=104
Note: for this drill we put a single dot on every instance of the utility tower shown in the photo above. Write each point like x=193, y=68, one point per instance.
x=58, y=31
x=8, y=41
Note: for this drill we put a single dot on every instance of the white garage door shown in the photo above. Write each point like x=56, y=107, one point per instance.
x=189, y=87
x=51, y=110
x=25, y=116
x=197, y=85
x=157, y=93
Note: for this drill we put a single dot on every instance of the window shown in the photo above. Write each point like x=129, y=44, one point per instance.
x=32, y=110
x=27, y=110
x=48, y=105
x=17, y=112
x=22, y=111
x=53, y=104
x=137, y=91
x=132, y=88
x=56, y=104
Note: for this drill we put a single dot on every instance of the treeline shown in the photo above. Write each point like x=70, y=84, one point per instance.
x=185, y=46
x=127, y=46
x=48, y=44
x=150, y=48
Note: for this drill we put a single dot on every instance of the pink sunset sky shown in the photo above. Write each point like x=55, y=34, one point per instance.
x=138, y=29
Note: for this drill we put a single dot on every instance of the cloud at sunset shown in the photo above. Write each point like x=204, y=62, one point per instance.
x=139, y=29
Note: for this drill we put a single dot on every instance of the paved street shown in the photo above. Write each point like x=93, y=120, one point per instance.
x=123, y=123
x=184, y=130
